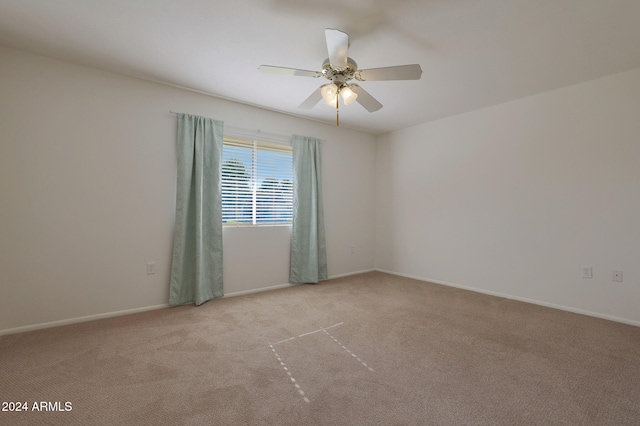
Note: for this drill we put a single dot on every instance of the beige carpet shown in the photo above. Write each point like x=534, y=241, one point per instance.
x=371, y=349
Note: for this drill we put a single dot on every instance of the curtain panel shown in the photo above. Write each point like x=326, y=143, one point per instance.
x=196, y=268
x=308, y=248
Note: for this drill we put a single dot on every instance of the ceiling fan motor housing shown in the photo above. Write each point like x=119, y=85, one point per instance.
x=339, y=75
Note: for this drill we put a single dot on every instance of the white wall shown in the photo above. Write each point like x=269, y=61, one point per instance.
x=511, y=200
x=87, y=193
x=515, y=198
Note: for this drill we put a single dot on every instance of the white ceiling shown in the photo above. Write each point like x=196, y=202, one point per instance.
x=474, y=53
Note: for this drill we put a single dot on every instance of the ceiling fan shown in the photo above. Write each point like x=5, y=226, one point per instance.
x=340, y=70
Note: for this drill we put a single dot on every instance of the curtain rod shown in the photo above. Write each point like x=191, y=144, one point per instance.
x=250, y=133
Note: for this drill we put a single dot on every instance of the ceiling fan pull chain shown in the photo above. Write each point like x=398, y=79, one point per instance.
x=337, y=112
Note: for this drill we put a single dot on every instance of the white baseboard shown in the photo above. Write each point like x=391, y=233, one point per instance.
x=518, y=298
x=348, y=274
x=75, y=320
x=257, y=290
x=275, y=287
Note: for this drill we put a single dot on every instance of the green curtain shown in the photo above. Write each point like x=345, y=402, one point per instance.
x=308, y=249
x=196, y=269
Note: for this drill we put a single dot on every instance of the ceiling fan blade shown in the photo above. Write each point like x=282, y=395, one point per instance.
x=365, y=99
x=337, y=45
x=312, y=100
x=268, y=69
x=400, y=72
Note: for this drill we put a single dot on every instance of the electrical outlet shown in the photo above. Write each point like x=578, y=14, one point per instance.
x=616, y=275
x=352, y=249
x=151, y=268
x=587, y=272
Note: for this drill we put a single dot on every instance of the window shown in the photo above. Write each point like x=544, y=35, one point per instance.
x=257, y=182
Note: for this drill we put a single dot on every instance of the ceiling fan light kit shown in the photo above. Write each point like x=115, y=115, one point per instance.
x=331, y=91
x=340, y=70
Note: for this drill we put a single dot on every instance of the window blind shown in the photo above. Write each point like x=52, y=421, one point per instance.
x=257, y=182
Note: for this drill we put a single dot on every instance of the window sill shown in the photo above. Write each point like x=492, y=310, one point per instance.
x=251, y=225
